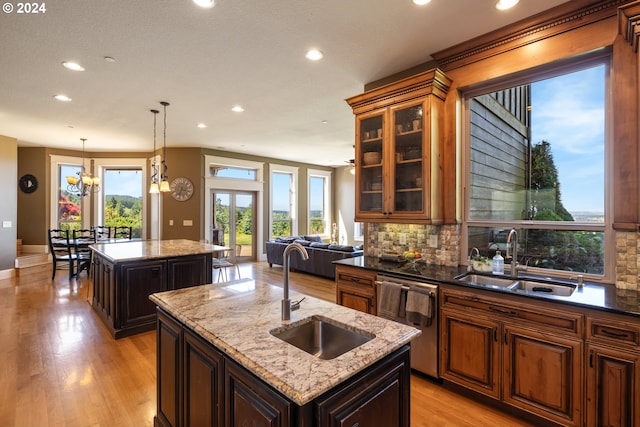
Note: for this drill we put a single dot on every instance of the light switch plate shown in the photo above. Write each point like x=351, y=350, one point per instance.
x=170, y=222
x=187, y=222
x=6, y=224
x=402, y=238
x=433, y=241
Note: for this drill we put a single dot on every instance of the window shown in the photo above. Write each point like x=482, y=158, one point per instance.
x=69, y=204
x=536, y=159
x=221, y=171
x=319, y=206
x=122, y=199
x=283, y=197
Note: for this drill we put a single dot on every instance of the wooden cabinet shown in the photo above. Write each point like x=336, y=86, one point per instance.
x=613, y=371
x=398, y=150
x=197, y=385
x=521, y=353
x=139, y=280
x=355, y=288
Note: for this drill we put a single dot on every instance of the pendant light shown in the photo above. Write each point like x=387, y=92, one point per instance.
x=164, y=184
x=154, y=187
x=83, y=184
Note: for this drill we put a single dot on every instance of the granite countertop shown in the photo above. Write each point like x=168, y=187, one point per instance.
x=597, y=296
x=149, y=249
x=236, y=317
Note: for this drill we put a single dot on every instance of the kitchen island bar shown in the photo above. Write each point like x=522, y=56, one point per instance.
x=218, y=362
x=126, y=273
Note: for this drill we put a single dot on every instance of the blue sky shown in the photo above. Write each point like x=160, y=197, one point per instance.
x=568, y=112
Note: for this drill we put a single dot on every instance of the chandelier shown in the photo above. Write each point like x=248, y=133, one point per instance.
x=154, y=188
x=83, y=183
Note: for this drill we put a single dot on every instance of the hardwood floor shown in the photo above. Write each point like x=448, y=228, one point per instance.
x=60, y=367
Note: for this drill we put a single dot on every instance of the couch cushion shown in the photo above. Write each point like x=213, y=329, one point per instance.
x=314, y=238
x=302, y=242
x=342, y=248
x=320, y=245
x=287, y=239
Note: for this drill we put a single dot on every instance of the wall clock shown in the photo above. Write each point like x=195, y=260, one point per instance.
x=181, y=189
x=28, y=183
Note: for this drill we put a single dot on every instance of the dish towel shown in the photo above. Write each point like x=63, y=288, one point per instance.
x=419, y=307
x=389, y=300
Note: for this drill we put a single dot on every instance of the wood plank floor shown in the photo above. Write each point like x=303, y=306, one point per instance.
x=60, y=367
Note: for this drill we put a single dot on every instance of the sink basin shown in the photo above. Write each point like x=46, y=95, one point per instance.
x=321, y=337
x=486, y=280
x=542, y=287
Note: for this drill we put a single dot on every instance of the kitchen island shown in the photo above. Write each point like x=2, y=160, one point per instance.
x=126, y=273
x=219, y=363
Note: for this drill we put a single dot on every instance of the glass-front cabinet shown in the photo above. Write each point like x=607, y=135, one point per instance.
x=397, y=150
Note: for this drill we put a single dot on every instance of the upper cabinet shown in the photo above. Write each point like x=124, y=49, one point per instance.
x=398, y=162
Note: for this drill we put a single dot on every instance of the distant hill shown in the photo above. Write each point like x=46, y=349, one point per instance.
x=588, y=216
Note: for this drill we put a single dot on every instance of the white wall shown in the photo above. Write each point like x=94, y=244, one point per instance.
x=8, y=210
x=345, y=199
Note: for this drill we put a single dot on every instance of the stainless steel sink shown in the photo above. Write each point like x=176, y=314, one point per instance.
x=321, y=337
x=543, y=287
x=478, y=279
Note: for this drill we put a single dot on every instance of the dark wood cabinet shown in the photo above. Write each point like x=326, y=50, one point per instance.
x=523, y=354
x=198, y=385
x=355, y=288
x=613, y=371
x=122, y=289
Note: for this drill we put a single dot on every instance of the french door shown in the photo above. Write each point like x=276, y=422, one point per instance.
x=234, y=213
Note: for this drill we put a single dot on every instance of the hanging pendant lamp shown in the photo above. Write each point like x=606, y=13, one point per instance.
x=164, y=184
x=154, y=187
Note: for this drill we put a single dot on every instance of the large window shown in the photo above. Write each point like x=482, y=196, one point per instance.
x=70, y=204
x=283, y=197
x=122, y=199
x=319, y=206
x=536, y=158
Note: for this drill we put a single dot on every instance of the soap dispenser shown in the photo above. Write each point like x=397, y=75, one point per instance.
x=498, y=264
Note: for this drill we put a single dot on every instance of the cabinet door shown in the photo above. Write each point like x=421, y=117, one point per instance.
x=470, y=352
x=188, y=271
x=370, y=164
x=169, y=360
x=613, y=387
x=356, y=301
x=410, y=158
x=542, y=374
x=138, y=280
x=250, y=403
x=203, y=385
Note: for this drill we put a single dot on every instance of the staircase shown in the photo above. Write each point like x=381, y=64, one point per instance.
x=31, y=263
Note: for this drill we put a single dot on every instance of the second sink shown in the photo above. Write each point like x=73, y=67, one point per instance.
x=321, y=337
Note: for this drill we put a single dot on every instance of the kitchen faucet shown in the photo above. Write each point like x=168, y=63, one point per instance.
x=512, y=243
x=287, y=307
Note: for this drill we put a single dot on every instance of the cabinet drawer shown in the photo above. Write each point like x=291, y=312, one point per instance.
x=355, y=278
x=525, y=312
x=615, y=330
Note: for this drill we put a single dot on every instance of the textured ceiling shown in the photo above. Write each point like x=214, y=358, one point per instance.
x=203, y=61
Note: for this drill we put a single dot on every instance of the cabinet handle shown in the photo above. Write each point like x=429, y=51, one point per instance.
x=506, y=338
x=355, y=424
x=591, y=358
x=614, y=334
x=495, y=334
x=502, y=311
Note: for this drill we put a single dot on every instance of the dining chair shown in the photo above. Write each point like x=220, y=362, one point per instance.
x=83, y=253
x=61, y=252
x=122, y=232
x=222, y=262
x=102, y=232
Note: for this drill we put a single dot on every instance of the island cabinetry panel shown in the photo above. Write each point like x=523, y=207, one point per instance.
x=355, y=288
x=522, y=354
x=398, y=150
x=122, y=289
x=613, y=371
x=198, y=385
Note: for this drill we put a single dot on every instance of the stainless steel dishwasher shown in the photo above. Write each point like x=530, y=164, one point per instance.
x=424, y=349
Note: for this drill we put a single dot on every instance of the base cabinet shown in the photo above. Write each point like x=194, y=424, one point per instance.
x=613, y=371
x=356, y=289
x=526, y=356
x=197, y=385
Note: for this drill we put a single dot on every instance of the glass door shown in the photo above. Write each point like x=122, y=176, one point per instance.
x=233, y=214
x=370, y=179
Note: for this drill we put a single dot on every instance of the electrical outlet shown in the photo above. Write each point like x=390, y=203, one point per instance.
x=381, y=236
x=187, y=222
x=433, y=241
x=403, y=238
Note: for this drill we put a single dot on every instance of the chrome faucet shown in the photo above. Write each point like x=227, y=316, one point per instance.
x=512, y=243
x=286, y=302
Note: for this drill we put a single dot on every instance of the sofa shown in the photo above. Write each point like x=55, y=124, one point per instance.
x=321, y=255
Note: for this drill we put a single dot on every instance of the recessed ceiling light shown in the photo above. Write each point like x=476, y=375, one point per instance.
x=506, y=4
x=237, y=109
x=63, y=98
x=110, y=59
x=202, y=125
x=205, y=3
x=421, y=2
x=314, y=55
x=73, y=66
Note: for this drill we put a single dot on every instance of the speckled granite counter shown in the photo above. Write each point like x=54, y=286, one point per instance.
x=237, y=317
x=152, y=249
x=593, y=295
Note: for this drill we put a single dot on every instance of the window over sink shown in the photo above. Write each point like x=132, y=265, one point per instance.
x=536, y=161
